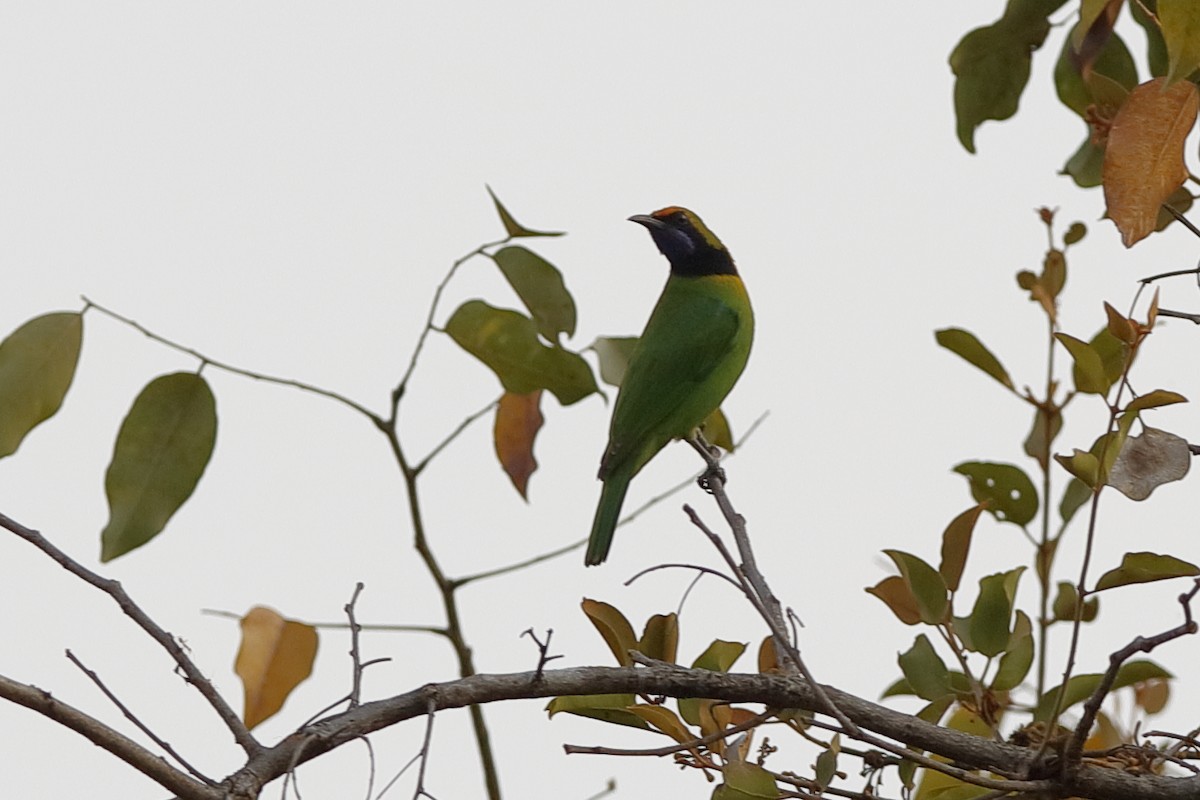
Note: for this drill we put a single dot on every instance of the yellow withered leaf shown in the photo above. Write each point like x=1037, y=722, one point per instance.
x=276, y=655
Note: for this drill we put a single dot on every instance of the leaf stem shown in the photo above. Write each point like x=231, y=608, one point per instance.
x=258, y=376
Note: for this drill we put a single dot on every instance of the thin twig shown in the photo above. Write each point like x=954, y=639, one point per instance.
x=458, y=583
x=371, y=766
x=387, y=786
x=398, y=392
x=679, y=487
x=544, y=656
x=114, y=590
x=420, y=790
x=1184, y=221
x=129, y=715
x=355, y=659
x=362, y=626
x=1172, y=274
x=653, y=501
x=754, y=585
x=1141, y=644
x=695, y=744
x=447, y=589
x=135, y=755
x=1166, y=312
x=696, y=567
x=258, y=376
x=462, y=426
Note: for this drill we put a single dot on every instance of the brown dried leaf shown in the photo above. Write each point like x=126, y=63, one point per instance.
x=518, y=420
x=1143, y=163
x=276, y=655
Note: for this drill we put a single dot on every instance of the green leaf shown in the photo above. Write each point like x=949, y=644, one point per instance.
x=956, y=542
x=1112, y=354
x=715, y=428
x=924, y=670
x=1083, y=465
x=613, y=627
x=899, y=687
x=1156, y=399
x=1075, y=233
x=825, y=769
x=660, y=638
x=1046, y=426
x=1181, y=200
x=746, y=781
x=1180, y=20
x=925, y=583
x=1114, y=61
x=993, y=610
x=663, y=720
x=613, y=353
x=162, y=449
x=1156, y=47
x=1145, y=568
x=37, y=364
x=1088, y=373
x=1017, y=658
x=606, y=707
x=1005, y=488
x=1081, y=687
x=936, y=709
x=514, y=228
x=717, y=657
x=1065, y=601
x=991, y=65
x=1074, y=496
x=507, y=342
x=540, y=286
x=965, y=344
x=1086, y=165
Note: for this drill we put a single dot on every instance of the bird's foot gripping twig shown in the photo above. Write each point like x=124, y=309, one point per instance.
x=712, y=457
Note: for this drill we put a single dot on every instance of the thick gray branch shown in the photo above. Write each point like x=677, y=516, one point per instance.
x=774, y=691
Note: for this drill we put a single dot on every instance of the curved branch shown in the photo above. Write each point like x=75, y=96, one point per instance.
x=124, y=748
x=774, y=691
x=114, y=590
x=245, y=373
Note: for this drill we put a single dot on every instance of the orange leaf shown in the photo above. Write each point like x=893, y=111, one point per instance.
x=1143, y=163
x=518, y=420
x=276, y=655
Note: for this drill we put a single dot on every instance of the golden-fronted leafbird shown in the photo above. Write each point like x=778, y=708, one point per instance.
x=692, y=351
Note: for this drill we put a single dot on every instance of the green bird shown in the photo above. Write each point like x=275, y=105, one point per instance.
x=690, y=355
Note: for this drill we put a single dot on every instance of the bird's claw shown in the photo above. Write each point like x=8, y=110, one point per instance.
x=705, y=480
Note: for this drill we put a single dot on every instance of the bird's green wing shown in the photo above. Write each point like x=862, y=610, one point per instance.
x=685, y=363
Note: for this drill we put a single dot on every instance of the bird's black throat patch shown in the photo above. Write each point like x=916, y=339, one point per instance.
x=704, y=261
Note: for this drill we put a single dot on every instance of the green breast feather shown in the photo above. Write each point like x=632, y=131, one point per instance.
x=692, y=351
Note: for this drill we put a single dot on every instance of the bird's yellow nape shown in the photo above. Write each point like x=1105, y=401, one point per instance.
x=679, y=214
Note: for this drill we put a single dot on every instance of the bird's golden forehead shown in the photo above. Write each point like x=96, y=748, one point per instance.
x=669, y=211
x=681, y=214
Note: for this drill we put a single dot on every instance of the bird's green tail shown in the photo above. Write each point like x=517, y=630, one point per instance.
x=607, y=512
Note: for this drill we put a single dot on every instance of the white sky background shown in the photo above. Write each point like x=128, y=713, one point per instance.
x=282, y=185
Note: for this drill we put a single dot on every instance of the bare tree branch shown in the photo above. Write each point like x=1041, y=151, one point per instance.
x=1010, y=763
x=129, y=715
x=152, y=766
x=114, y=590
x=1141, y=644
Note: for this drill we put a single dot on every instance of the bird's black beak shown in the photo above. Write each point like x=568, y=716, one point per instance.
x=650, y=222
